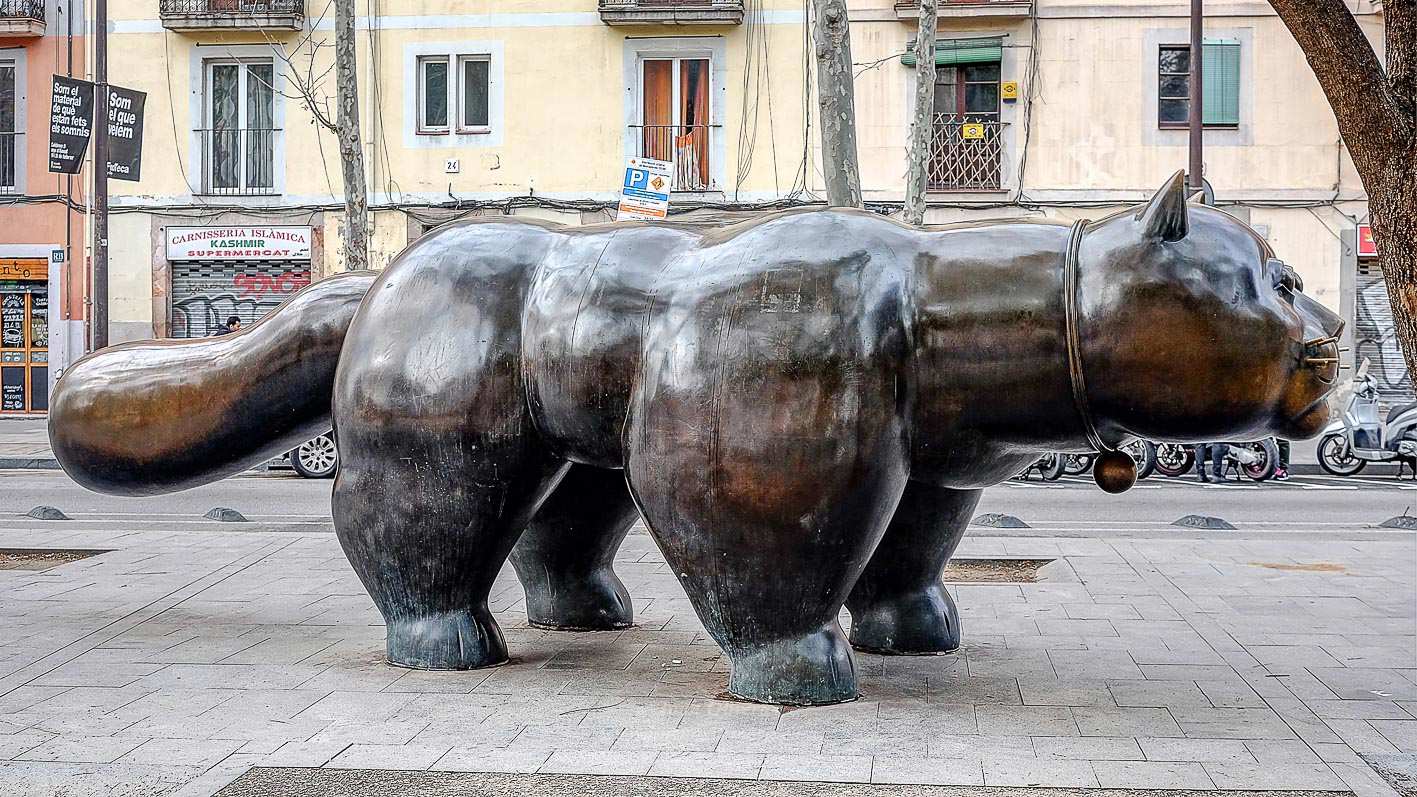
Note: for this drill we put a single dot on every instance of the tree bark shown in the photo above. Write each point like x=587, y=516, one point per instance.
x=922, y=124
x=836, y=100
x=351, y=146
x=1374, y=105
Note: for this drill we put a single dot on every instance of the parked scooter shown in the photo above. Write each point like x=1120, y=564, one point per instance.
x=1259, y=459
x=1360, y=437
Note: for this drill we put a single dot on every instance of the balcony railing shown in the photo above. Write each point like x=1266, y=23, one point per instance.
x=671, y=12
x=687, y=146
x=960, y=163
x=232, y=14
x=238, y=162
x=10, y=154
x=21, y=17
x=910, y=9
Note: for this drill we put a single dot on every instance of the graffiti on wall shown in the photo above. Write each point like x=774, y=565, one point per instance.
x=1375, y=338
x=204, y=296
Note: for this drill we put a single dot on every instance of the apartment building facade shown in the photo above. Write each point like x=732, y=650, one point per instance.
x=42, y=274
x=504, y=106
x=1059, y=109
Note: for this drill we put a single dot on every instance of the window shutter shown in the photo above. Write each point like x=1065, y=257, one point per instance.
x=949, y=52
x=1220, y=75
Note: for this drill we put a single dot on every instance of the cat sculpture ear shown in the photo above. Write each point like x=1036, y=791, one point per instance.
x=1164, y=217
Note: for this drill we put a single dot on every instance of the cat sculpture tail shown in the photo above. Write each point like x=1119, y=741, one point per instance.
x=157, y=416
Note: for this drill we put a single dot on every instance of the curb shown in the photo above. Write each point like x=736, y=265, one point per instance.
x=29, y=463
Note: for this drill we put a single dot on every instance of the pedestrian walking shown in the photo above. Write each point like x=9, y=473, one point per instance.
x=1282, y=472
x=232, y=324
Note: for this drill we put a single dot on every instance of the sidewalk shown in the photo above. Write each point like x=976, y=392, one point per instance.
x=188, y=663
x=24, y=443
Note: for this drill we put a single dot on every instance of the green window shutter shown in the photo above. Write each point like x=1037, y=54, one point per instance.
x=949, y=52
x=1220, y=76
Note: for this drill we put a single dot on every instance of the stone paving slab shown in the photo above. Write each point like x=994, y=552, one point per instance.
x=270, y=782
x=179, y=660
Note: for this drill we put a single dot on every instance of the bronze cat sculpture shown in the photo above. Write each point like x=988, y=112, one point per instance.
x=805, y=408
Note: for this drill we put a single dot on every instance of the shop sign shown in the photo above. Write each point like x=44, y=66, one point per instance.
x=1367, y=247
x=238, y=243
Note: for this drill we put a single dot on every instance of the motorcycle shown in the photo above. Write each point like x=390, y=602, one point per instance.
x=1359, y=437
x=1052, y=466
x=1258, y=460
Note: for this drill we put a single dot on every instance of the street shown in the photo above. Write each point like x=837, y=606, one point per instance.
x=1304, y=504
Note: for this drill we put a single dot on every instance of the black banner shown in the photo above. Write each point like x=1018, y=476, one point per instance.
x=125, y=133
x=70, y=124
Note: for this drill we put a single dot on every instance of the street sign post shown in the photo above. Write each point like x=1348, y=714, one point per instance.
x=645, y=193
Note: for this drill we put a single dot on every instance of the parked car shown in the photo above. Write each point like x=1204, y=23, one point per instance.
x=315, y=459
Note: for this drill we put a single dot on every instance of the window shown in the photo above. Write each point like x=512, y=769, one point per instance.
x=674, y=117
x=238, y=144
x=433, y=94
x=9, y=136
x=473, y=94
x=443, y=93
x=1220, y=89
x=966, y=136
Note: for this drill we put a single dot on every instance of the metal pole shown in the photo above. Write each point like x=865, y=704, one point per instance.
x=1196, y=116
x=100, y=176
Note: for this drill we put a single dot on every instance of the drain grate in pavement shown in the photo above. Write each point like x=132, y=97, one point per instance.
x=285, y=782
x=994, y=571
x=40, y=558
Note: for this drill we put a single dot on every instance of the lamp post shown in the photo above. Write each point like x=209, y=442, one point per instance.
x=1194, y=171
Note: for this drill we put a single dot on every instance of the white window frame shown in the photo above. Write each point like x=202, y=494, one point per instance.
x=16, y=59
x=675, y=79
x=715, y=49
x=420, y=126
x=208, y=111
x=457, y=87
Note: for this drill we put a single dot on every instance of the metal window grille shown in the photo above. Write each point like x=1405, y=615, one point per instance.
x=22, y=9
x=238, y=161
x=224, y=7
x=9, y=161
x=959, y=163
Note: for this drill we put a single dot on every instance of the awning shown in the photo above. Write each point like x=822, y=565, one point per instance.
x=949, y=52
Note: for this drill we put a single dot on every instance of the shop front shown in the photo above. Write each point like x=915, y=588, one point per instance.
x=242, y=271
x=1374, y=336
x=24, y=336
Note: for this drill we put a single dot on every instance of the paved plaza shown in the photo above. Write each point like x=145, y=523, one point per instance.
x=189, y=654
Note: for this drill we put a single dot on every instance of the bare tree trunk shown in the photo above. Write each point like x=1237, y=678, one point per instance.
x=351, y=147
x=836, y=100
x=922, y=126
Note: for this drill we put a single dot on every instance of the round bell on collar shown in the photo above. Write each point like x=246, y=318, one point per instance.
x=1114, y=471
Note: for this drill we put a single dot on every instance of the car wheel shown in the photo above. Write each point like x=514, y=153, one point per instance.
x=316, y=459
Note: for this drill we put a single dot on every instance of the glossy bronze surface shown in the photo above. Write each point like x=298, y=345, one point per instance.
x=804, y=406
x=155, y=416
